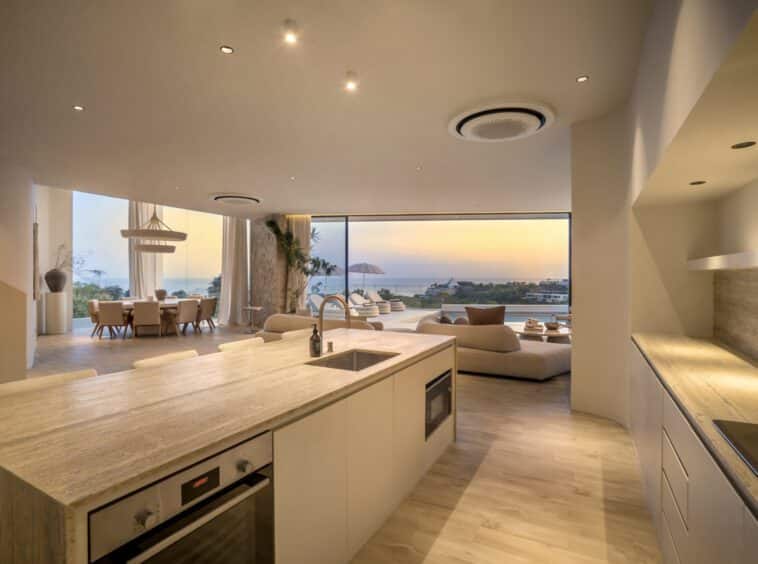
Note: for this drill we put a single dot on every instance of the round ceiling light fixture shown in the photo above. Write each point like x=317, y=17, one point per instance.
x=226, y=49
x=77, y=108
x=582, y=78
x=235, y=199
x=743, y=144
x=495, y=123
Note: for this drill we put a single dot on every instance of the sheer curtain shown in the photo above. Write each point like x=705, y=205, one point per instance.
x=300, y=225
x=145, y=269
x=235, y=290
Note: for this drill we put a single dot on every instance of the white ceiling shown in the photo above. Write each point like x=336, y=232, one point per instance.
x=169, y=119
x=724, y=115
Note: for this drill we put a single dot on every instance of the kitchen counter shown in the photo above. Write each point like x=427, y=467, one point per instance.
x=708, y=382
x=89, y=441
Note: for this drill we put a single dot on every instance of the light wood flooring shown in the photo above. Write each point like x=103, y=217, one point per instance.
x=527, y=481
x=77, y=350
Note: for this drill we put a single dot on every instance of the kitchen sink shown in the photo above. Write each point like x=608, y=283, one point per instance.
x=354, y=360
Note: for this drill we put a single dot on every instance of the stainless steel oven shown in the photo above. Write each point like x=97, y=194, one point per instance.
x=219, y=510
x=439, y=401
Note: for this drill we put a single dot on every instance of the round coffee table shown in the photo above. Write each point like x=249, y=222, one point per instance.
x=560, y=335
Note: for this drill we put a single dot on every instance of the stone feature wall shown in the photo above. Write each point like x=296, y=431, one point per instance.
x=736, y=310
x=267, y=265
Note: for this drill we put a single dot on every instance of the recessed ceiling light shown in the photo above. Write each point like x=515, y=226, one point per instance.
x=419, y=168
x=582, y=78
x=78, y=108
x=697, y=182
x=292, y=178
x=743, y=144
x=226, y=49
x=351, y=81
x=290, y=32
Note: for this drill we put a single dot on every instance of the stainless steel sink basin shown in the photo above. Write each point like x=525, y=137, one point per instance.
x=354, y=360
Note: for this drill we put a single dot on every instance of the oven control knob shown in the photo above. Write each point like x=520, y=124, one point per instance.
x=147, y=519
x=244, y=466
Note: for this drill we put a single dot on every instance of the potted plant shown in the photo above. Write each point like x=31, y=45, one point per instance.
x=56, y=277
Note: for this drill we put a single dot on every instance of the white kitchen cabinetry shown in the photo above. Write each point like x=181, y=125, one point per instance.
x=341, y=471
x=646, y=423
x=700, y=517
x=413, y=452
x=310, y=497
x=369, y=456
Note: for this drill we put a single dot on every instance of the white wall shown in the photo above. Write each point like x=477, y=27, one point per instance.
x=612, y=157
x=738, y=226
x=17, y=332
x=54, y=207
x=666, y=297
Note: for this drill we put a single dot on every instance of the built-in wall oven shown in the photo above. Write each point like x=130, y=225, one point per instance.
x=439, y=401
x=219, y=510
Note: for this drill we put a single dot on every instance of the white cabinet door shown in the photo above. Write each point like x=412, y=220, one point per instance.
x=310, y=476
x=413, y=454
x=646, y=424
x=369, y=462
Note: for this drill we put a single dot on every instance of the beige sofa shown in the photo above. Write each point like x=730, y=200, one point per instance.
x=281, y=325
x=497, y=350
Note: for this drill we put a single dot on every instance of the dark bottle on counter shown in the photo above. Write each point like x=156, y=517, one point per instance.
x=315, y=342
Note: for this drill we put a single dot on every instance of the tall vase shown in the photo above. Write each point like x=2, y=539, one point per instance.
x=56, y=280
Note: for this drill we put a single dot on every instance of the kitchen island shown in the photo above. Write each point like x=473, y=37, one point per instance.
x=72, y=448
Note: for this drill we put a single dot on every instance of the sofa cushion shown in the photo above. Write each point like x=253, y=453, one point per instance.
x=498, y=338
x=486, y=315
x=445, y=320
x=535, y=361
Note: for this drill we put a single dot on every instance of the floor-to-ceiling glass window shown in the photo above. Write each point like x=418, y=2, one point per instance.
x=195, y=266
x=427, y=261
x=101, y=255
x=328, y=247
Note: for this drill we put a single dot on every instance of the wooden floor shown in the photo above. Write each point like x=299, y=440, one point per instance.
x=527, y=481
x=77, y=350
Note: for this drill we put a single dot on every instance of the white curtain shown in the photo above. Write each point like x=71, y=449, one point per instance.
x=235, y=290
x=300, y=225
x=145, y=269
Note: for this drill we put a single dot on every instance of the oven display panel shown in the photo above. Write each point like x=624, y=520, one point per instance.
x=200, y=485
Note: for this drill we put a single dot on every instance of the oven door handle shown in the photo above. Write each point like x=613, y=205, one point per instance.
x=445, y=378
x=195, y=525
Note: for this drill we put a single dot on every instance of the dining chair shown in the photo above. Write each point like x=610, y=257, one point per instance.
x=37, y=383
x=160, y=294
x=146, y=314
x=186, y=314
x=242, y=344
x=93, y=311
x=207, y=309
x=164, y=359
x=112, y=316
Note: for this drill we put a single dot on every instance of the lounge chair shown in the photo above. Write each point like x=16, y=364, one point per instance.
x=395, y=304
x=364, y=307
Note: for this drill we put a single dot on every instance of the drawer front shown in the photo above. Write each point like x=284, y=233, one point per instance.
x=668, y=549
x=686, y=444
x=676, y=474
x=676, y=527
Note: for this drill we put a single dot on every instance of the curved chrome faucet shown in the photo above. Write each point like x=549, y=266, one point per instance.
x=332, y=297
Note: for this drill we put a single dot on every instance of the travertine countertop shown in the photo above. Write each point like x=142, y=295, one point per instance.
x=88, y=441
x=708, y=382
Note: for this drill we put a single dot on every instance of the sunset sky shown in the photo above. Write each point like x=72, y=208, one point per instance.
x=513, y=248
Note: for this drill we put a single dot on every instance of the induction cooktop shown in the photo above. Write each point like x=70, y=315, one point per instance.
x=744, y=439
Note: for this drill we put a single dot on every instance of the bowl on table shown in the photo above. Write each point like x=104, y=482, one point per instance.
x=552, y=325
